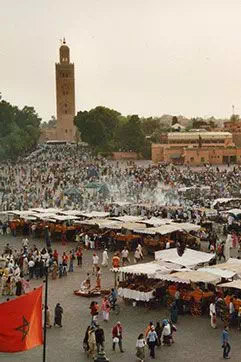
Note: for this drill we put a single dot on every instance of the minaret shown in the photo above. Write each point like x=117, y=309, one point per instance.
x=65, y=95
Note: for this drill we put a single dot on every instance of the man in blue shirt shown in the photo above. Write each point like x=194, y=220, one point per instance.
x=225, y=343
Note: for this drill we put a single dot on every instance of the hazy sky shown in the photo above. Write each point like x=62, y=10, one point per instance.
x=137, y=56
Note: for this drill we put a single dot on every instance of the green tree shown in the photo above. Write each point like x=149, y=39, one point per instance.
x=234, y=118
x=98, y=126
x=131, y=135
x=19, y=130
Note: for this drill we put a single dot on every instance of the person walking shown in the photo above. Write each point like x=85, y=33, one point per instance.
x=58, y=315
x=152, y=341
x=117, y=336
x=225, y=343
x=95, y=260
x=91, y=342
x=105, y=258
x=79, y=255
x=140, y=348
x=71, y=261
x=124, y=256
x=212, y=313
x=48, y=319
x=174, y=312
x=98, y=278
x=100, y=338
x=166, y=333
x=137, y=256
x=105, y=307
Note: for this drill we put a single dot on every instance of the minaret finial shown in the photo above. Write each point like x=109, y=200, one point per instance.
x=64, y=42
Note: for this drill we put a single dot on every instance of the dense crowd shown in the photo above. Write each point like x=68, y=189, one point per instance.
x=66, y=177
x=69, y=177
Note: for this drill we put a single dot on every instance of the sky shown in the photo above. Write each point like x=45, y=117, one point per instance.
x=146, y=57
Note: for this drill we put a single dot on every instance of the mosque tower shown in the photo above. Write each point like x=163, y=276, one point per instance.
x=65, y=95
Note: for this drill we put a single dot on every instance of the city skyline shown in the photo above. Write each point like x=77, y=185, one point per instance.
x=138, y=57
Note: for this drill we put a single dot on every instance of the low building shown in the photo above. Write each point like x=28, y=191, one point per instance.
x=196, y=148
x=234, y=127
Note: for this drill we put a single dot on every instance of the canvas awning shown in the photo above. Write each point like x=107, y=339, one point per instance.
x=226, y=274
x=234, y=284
x=196, y=276
x=156, y=221
x=190, y=258
x=151, y=269
x=128, y=218
x=187, y=226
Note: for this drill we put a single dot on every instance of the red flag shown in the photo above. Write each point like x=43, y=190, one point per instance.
x=21, y=322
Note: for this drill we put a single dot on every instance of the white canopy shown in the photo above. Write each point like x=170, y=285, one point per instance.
x=72, y=212
x=234, y=284
x=128, y=218
x=232, y=265
x=224, y=200
x=226, y=274
x=187, y=226
x=48, y=210
x=150, y=269
x=156, y=221
x=95, y=214
x=235, y=212
x=190, y=258
x=196, y=276
x=64, y=217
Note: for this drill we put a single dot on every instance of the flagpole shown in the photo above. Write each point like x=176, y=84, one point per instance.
x=45, y=311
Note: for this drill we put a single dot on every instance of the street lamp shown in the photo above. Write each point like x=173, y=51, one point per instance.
x=46, y=272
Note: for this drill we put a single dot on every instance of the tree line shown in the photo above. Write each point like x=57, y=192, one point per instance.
x=104, y=129
x=19, y=130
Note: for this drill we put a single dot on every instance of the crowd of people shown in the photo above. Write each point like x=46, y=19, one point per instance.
x=60, y=177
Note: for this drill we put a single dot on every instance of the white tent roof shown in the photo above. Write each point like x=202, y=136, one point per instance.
x=190, y=258
x=64, y=217
x=224, y=200
x=150, y=269
x=196, y=276
x=156, y=221
x=227, y=274
x=234, y=211
x=234, y=284
x=128, y=218
x=169, y=228
x=48, y=210
x=187, y=226
x=72, y=212
x=95, y=214
x=232, y=265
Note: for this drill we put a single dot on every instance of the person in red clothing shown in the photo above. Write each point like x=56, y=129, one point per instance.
x=56, y=256
x=117, y=336
x=64, y=263
x=79, y=255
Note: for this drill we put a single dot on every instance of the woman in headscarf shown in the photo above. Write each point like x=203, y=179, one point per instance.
x=58, y=315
